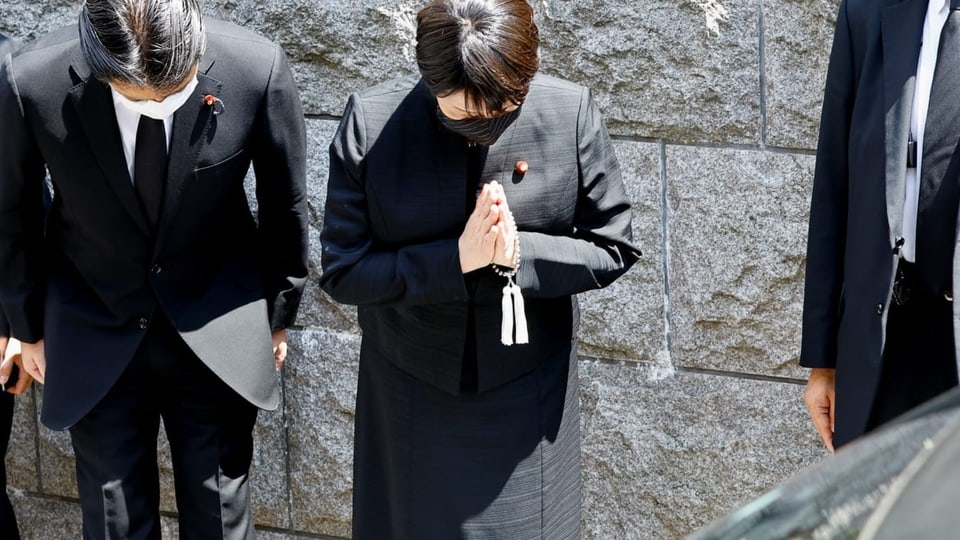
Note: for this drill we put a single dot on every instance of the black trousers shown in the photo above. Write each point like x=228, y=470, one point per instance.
x=8, y=522
x=919, y=359
x=210, y=429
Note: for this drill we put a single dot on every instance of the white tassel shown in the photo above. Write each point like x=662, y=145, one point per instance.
x=513, y=312
x=519, y=314
x=506, y=321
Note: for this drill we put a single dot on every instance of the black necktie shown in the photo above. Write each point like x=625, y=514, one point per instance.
x=940, y=175
x=150, y=166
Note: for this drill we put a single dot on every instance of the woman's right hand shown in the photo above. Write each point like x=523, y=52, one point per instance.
x=479, y=238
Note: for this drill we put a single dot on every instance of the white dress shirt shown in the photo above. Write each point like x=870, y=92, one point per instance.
x=128, y=121
x=937, y=11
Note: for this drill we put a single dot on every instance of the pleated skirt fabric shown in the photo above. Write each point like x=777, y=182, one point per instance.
x=498, y=465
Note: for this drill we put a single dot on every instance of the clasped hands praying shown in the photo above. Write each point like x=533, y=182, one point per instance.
x=490, y=233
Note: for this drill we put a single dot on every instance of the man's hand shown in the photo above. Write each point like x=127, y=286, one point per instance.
x=10, y=352
x=479, y=238
x=33, y=362
x=820, y=398
x=279, y=348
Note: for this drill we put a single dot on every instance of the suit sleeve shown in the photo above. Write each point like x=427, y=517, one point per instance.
x=22, y=173
x=828, y=208
x=4, y=325
x=355, y=269
x=279, y=161
x=7, y=46
x=600, y=248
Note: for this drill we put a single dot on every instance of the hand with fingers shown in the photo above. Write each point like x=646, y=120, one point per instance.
x=33, y=360
x=505, y=252
x=479, y=238
x=279, y=348
x=12, y=358
x=820, y=398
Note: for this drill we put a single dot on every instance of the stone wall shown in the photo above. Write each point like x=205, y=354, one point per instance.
x=690, y=385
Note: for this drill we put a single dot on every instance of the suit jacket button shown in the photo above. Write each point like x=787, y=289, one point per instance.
x=144, y=323
x=879, y=309
x=156, y=269
x=948, y=296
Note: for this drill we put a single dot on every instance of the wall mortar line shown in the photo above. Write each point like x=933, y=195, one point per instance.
x=665, y=253
x=741, y=375
x=715, y=145
x=36, y=437
x=633, y=364
x=323, y=116
x=286, y=448
x=762, y=44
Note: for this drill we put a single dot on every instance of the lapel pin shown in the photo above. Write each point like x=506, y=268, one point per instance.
x=522, y=167
x=211, y=100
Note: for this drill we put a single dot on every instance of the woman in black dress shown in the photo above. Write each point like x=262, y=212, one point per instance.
x=464, y=211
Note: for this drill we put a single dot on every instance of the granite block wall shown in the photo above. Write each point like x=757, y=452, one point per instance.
x=690, y=388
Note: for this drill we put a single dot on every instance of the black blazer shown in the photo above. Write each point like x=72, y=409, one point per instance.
x=7, y=46
x=858, y=193
x=396, y=208
x=92, y=280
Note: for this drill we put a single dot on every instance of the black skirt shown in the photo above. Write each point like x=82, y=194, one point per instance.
x=502, y=464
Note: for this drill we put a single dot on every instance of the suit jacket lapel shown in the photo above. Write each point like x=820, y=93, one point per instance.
x=496, y=166
x=191, y=128
x=902, y=31
x=94, y=106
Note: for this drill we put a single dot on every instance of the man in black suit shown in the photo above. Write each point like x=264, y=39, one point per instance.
x=879, y=318
x=151, y=291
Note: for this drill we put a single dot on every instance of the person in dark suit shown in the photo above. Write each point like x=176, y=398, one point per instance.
x=9, y=352
x=879, y=320
x=152, y=290
x=464, y=211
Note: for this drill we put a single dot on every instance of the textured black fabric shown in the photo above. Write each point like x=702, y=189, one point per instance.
x=468, y=372
x=150, y=166
x=396, y=208
x=210, y=430
x=502, y=464
x=92, y=276
x=940, y=171
x=918, y=360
